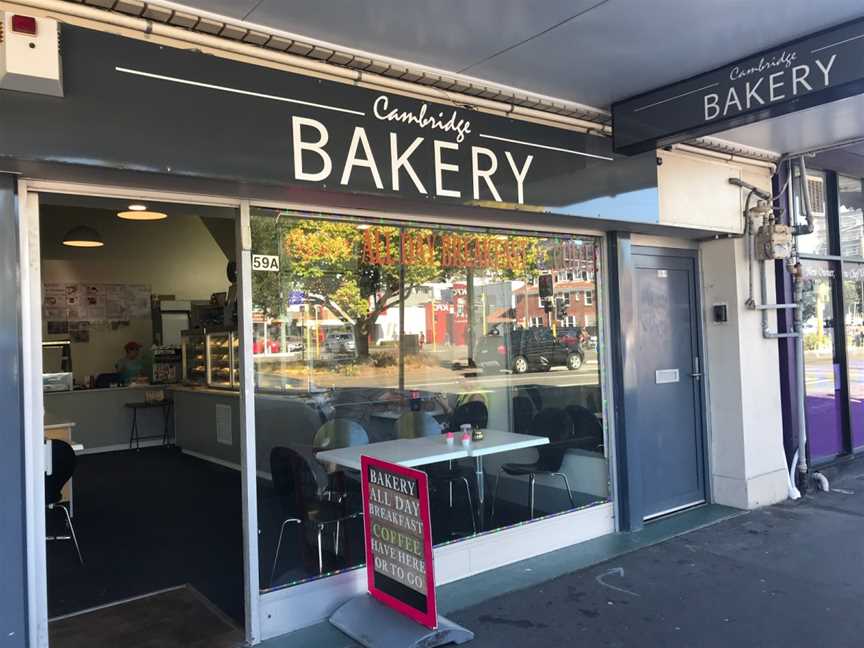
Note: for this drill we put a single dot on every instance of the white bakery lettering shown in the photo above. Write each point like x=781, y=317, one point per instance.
x=382, y=111
x=789, y=81
x=316, y=159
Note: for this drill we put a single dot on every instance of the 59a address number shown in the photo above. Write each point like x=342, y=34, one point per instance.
x=265, y=262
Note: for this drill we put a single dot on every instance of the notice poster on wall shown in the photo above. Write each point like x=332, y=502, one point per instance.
x=399, y=559
x=95, y=302
x=54, y=302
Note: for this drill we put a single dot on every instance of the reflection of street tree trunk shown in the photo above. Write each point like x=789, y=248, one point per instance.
x=361, y=338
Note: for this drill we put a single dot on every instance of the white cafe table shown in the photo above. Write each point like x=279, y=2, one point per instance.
x=434, y=449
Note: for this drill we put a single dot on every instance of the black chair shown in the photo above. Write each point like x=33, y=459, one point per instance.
x=62, y=469
x=340, y=433
x=301, y=486
x=555, y=424
x=587, y=429
x=473, y=412
x=476, y=414
x=523, y=414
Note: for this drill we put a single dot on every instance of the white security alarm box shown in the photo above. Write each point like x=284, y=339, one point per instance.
x=30, y=54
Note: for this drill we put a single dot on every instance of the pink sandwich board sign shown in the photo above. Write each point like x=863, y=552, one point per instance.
x=399, y=560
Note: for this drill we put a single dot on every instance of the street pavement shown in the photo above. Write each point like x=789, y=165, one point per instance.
x=788, y=575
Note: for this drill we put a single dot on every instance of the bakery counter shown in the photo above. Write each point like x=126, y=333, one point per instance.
x=103, y=422
x=207, y=423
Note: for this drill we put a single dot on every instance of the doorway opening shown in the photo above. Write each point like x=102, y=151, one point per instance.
x=143, y=514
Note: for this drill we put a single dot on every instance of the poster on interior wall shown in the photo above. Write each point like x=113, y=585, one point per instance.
x=126, y=301
x=115, y=305
x=94, y=302
x=73, y=302
x=399, y=559
x=54, y=302
x=139, y=301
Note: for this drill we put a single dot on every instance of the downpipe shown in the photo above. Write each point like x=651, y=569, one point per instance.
x=799, y=380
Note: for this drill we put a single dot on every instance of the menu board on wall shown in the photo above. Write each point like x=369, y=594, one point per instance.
x=94, y=302
x=399, y=559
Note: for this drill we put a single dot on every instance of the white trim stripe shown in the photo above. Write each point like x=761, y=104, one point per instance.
x=248, y=93
x=544, y=146
x=683, y=94
x=842, y=42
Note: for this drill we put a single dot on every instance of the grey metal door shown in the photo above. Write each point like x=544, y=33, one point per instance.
x=669, y=368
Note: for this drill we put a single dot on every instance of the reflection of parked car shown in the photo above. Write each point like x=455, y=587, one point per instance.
x=534, y=349
x=572, y=335
x=340, y=343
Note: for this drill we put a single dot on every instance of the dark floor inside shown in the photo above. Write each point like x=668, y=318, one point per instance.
x=149, y=520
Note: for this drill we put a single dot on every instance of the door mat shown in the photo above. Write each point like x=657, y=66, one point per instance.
x=176, y=618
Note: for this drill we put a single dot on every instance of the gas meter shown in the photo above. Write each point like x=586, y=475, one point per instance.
x=773, y=241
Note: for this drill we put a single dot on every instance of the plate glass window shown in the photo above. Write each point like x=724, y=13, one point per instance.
x=822, y=371
x=373, y=333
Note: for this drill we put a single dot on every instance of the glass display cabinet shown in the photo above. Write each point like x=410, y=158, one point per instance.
x=194, y=357
x=219, y=359
x=211, y=358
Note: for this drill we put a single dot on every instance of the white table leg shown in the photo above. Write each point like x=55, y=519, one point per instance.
x=481, y=499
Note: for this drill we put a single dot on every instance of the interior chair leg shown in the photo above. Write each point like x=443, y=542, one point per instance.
x=531, y=496
x=450, y=486
x=279, y=547
x=72, y=532
x=336, y=539
x=470, y=504
x=320, y=550
x=495, y=494
x=567, y=486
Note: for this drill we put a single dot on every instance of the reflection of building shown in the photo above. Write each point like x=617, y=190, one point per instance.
x=447, y=317
x=579, y=302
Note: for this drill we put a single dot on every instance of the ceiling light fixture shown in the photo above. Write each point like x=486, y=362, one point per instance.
x=141, y=213
x=83, y=237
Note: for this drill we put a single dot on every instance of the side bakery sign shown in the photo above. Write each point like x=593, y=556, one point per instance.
x=134, y=104
x=813, y=70
x=399, y=559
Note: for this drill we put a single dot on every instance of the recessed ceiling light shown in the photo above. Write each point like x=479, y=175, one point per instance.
x=84, y=237
x=137, y=207
x=141, y=214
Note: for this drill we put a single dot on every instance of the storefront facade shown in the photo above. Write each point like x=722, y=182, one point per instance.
x=389, y=251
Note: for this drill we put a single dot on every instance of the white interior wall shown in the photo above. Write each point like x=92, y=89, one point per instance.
x=176, y=256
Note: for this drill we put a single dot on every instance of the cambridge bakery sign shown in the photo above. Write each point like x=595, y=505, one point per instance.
x=817, y=69
x=131, y=104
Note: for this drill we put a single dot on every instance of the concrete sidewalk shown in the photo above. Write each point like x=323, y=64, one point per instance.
x=787, y=575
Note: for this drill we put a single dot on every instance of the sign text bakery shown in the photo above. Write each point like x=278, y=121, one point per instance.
x=810, y=71
x=140, y=106
x=318, y=159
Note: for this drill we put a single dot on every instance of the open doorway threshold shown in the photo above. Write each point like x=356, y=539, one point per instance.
x=180, y=617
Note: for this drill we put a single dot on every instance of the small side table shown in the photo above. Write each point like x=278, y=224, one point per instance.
x=134, y=436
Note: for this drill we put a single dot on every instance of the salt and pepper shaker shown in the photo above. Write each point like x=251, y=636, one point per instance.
x=466, y=434
x=450, y=437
